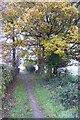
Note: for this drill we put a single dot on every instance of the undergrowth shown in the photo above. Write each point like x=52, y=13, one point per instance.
x=58, y=96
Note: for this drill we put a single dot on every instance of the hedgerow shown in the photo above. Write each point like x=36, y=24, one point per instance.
x=6, y=77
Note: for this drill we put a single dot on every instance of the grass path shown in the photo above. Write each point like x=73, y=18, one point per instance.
x=28, y=97
x=37, y=113
x=20, y=101
x=21, y=108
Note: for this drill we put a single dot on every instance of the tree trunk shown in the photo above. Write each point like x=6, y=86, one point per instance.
x=49, y=71
x=14, y=60
x=39, y=63
x=55, y=71
x=41, y=60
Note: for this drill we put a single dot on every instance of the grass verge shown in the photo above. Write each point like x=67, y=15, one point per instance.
x=46, y=96
x=21, y=109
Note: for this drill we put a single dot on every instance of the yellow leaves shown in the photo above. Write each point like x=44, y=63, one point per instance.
x=70, y=12
x=23, y=53
x=20, y=21
x=16, y=26
x=42, y=19
x=59, y=52
x=5, y=21
x=74, y=35
x=6, y=29
x=26, y=16
x=73, y=28
x=56, y=45
x=34, y=13
x=55, y=6
x=6, y=51
x=73, y=10
x=5, y=46
x=19, y=43
x=12, y=11
x=45, y=26
x=37, y=50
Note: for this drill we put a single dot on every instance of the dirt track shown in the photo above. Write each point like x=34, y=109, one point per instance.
x=37, y=113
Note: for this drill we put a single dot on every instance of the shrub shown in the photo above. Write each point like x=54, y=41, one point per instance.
x=67, y=94
x=6, y=77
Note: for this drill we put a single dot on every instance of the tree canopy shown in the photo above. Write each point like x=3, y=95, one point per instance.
x=43, y=29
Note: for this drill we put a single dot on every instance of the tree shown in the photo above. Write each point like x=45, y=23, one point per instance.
x=44, y=22
x=44, y=28
x=12, y=26
x=55, y=53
